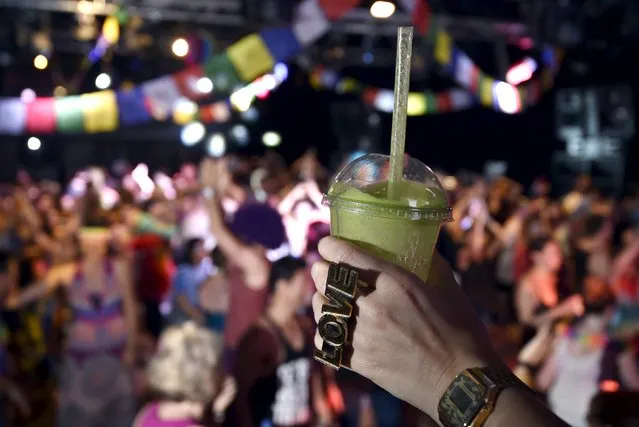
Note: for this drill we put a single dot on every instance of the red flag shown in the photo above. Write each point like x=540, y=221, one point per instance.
x=41, y=116
x=422, y=16
x=187, y=82
x=336, y=9
x=369, y=95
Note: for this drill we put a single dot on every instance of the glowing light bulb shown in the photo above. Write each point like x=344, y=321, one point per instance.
x=204, y=85
x=103, y=81
x=34, y=143
x=59, y=91
x=217, y=145
x=271, y=139
x=382, y=9
x=28, y=95
x=241, y=134
x=192, y=133
x=40, y=62
x=508, y=98
x=180, y=48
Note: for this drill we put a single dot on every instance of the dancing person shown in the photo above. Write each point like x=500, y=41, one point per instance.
x=275, y=376
x=195, y=269
x=255, y=229
x=418, y=341
x=185, y=379
x=95, y=386
x=541, y=295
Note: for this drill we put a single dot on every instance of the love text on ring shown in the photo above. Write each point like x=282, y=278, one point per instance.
x=341, y=285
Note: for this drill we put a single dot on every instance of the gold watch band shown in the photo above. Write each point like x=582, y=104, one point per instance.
x=497, y=380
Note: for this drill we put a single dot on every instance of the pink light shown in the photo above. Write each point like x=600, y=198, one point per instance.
x=526, y=43
x=521, y=72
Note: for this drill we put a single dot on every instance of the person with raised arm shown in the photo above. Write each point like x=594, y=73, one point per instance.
x=255, y=229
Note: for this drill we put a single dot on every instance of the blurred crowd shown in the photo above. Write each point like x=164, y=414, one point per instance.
x=132, y=298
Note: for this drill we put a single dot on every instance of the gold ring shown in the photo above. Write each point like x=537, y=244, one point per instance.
x=341, y=286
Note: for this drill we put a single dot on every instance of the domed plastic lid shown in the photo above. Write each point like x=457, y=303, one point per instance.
x=362, y=186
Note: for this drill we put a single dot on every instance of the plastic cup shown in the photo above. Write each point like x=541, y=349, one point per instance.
x=403, y=230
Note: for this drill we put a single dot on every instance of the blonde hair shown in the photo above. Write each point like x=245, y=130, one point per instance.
x=185, y=362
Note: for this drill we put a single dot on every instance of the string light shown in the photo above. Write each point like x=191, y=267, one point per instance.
x=217, y=145
x=28, y=95
x=204, y=85
x=180, y=48
x=40, y=62
x=192, y=133
x=382, y=9
x=34, y=143
x=103, y=81
x=241, y=134
x=60, y=91
x=271, y=139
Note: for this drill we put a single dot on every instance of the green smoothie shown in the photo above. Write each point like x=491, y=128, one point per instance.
x=403, y=230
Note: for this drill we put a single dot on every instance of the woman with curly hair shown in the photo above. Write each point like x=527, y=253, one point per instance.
x=184, y=394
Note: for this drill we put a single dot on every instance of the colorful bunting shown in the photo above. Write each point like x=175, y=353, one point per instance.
x=281, y=42
x=132, y=109
x=161, y=94
x=41, y=116
x=310, y=22
x=13, y=114
x=187, y=82
x=100, y=111
x=221, y=71
x=251, y=57
x=69, y=114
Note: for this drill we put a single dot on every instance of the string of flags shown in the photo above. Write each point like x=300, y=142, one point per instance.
x=242, y=63
x=253, y=56
x=490, y=92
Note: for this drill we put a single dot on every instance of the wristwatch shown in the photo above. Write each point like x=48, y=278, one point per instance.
x=471, y=397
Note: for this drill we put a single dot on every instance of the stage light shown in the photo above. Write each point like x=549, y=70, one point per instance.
x=271, y=139
x=204, y=85
x=382, y=9
x=40, y=62
x=241, y=134
x=507, y=96
x=59, y=91
x=34, y=143
x=180, y=48
x=27, y=95
x=217, y=145
x=192, y=133
x=521, y=72
x=103, y=81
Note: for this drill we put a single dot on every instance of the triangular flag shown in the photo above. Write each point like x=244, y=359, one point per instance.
x=100, y=111
x=310, y=22
x=41, y=116
x=69, y=116
x=13, y=115
x=251, y=57
x=161, y=94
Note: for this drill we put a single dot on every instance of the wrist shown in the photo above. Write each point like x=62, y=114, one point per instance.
x=456, y=366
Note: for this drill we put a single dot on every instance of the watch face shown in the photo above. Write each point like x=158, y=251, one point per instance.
x=462, y=401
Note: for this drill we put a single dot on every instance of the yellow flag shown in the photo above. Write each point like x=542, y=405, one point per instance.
x=100, y=111
x=250, y=57
x=486, y=91
x=443, y=48
x=416, y=104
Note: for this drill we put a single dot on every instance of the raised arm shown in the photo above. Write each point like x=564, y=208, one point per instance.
x=215, y=179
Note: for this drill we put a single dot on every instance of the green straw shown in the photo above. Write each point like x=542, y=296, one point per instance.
x=398, y=130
